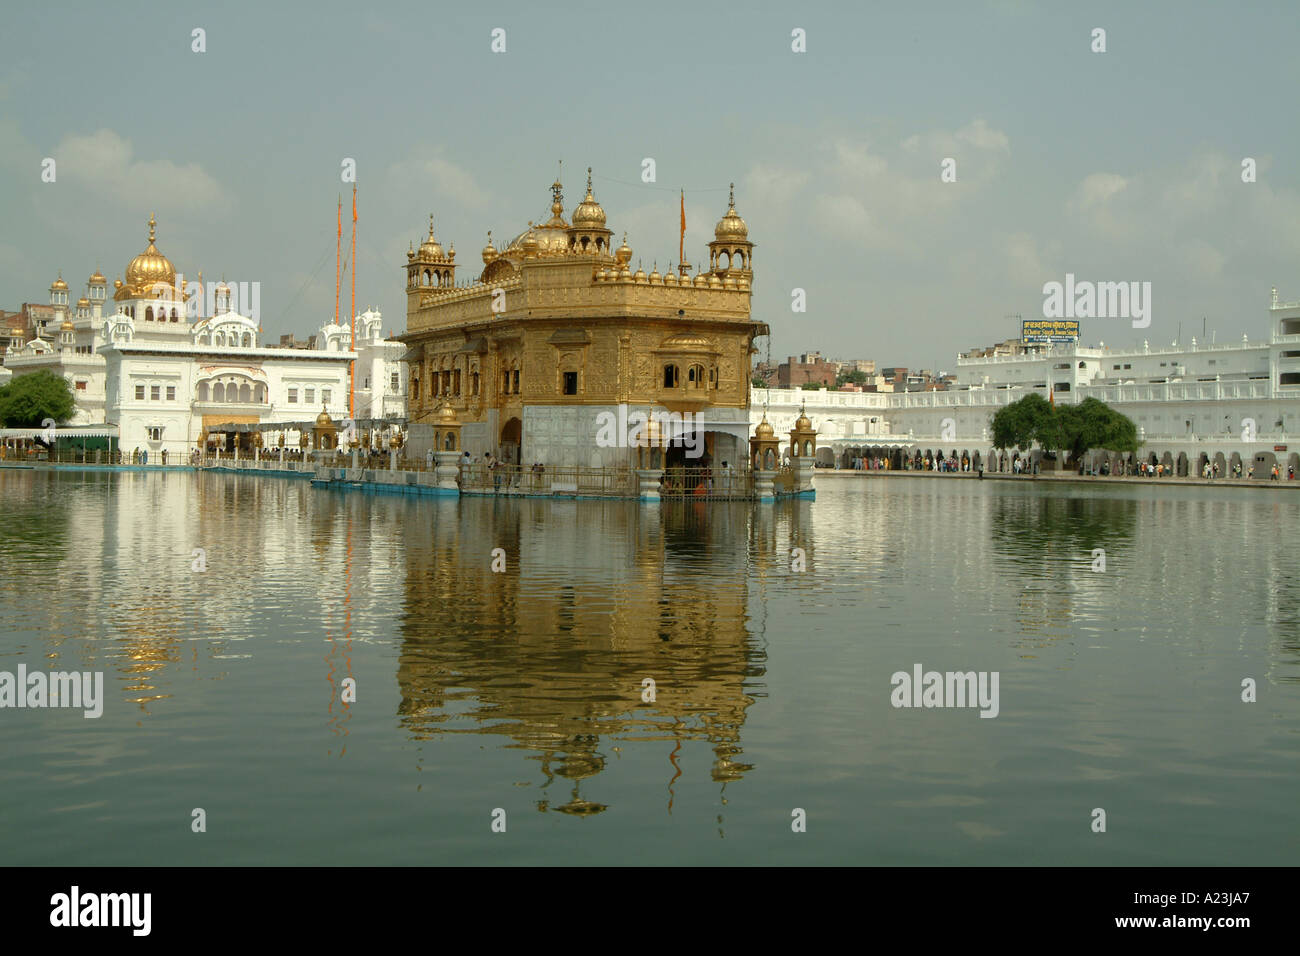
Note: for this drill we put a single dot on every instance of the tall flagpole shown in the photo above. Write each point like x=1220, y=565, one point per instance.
x=681, y=242
x=338, y=260
x=352, y=367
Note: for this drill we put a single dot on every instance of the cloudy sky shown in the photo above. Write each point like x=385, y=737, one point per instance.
x=1117, y=166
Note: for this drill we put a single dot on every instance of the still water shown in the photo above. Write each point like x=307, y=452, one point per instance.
x=522, y=690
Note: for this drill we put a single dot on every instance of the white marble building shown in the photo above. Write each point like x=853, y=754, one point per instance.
x=165, y=365
x=1195, y=402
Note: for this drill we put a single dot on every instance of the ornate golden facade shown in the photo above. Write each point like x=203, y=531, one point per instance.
x=557, y=326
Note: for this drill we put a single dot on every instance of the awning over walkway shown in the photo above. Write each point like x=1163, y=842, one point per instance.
x=67, y=431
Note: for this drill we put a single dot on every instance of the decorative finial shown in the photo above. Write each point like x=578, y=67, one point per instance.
x=731, y=199
x=430, y=225
x=152, y=223
x=588, y=182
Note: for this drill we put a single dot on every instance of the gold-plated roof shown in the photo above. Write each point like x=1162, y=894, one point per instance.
x=430, y=248
x=731, y=226
x=97, y=278
x=59, y=284
x=150, y=267
x=589, y=214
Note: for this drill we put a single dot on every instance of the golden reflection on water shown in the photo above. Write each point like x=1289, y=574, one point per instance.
x=552, y=654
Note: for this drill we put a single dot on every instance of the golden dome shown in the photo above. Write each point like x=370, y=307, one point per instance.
x=447, y=414
x=802, y=424
x=654, y=272
x=150, y=267
x=530, y=246
x=489, y=251
x=67, y=325
x=58, y=284
x=764, y=430
x=731, y=226
x=589, y=214
x=97, y=278
x=430, y=248
x=83, y=303
x=323, y=420
x=623, y=254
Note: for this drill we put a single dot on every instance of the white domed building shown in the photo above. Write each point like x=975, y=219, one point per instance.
x=167, y=361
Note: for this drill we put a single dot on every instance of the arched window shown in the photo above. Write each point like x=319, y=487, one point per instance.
x=174, y=318
x=245, y=394
x=203, y=391
x=505, y=382
x=148, y=313
x=259, y=394
x=516, y=383
x=670, y=376
x=455, y=382
x=427, y=277
x=695, y=375
x=218, y=392
x=473, y=379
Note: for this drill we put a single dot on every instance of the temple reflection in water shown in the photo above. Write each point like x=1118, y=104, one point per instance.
x=595, y=599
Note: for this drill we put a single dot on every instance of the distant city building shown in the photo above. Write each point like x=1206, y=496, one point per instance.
x=808, y=369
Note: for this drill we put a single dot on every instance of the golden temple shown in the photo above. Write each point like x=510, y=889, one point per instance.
x=557, y=329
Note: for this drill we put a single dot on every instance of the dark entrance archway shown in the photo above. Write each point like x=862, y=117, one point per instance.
x=512, y=437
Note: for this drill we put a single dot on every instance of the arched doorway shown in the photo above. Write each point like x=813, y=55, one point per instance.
x=512, y=438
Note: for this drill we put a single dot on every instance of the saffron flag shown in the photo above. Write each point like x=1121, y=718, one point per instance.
x=354, y=203
x=681, y=245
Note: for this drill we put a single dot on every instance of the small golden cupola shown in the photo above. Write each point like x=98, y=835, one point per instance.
x=149, y=271
x=731, y=252
x=430, y=269
x=588, y=234
x=764, y=449
x=489, y=251
x=623, y=255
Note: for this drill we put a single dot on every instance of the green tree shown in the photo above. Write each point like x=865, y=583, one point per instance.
x=1087, y=425
x=30, y=399
x=854, y=377
x=1018, y=425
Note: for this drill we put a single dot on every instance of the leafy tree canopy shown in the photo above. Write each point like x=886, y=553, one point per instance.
x=30, y=399
x=1073, y=428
